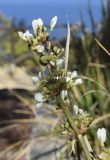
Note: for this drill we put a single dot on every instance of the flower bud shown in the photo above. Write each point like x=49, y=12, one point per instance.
x=53, y=23
x=48, y=45
x=44, y=60
x=55, y=49
x=35, y=42
x=101, y=134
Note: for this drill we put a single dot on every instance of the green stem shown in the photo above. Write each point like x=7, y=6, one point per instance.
x=70, y=119
x=70, y=96
x=68, y=114
x=84, y=146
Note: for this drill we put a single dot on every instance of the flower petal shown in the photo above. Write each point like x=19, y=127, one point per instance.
x=52, y=63
x=64, y=94
x=40, y=22
x=53, y=22
x=76, y=109
x=27, y=36
x=60, y=62
x=74, y=74
x=35, y=25
x=78, y=81
x=39, y=48
x=39, y=97
x=101, y=135
x=81, y=112
x=35, y=79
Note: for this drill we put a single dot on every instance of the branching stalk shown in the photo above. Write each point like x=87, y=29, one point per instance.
x=70, y=119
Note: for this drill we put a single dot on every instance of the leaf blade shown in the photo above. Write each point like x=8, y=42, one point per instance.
x=67, y=48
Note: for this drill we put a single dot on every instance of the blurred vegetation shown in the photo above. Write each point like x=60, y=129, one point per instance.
x=86, y=57
x=12, y=49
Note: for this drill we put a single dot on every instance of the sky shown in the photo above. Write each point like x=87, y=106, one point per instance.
x=49, y=1
x=20, y=8
x=30, y=1
x=31, y=9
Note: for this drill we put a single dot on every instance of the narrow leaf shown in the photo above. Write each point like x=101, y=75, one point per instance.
x=102, y=47
x=67, y=48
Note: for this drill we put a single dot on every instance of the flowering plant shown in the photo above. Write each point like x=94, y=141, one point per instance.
x=56, y=85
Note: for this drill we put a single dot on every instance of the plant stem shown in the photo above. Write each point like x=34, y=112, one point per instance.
x=68, y=114
x=84, y=146
x=70, y=119
x=71, y=99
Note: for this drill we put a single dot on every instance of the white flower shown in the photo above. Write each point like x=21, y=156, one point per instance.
x=78, y=81
x=71, y=75
x=35, y=79
x=53, y=22
x=81, y=112
x=74, y=74
x=52, y=63
x=27, y=36
x=101, y=134
x=64, y=94
x=39, y=48
x=60, y=62
x=76, y=109
x=68, y=79
x=40, y=22
x=37, y=23
x=39, y=97
x=58, y=77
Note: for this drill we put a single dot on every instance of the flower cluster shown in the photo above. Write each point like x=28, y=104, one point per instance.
x=38, y=28
x=82, y=118
x=40, y=38
x=76, y=110
x=53, y=81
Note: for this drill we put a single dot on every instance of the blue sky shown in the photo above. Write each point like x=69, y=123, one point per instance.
x=30, y=1
x=49, y=1
x=31, y=9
